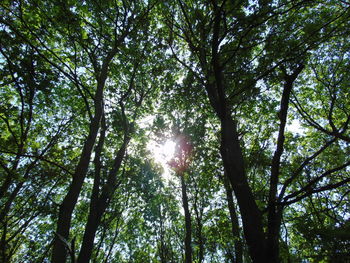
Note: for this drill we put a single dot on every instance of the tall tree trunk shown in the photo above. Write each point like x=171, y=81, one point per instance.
x=200, y=244
x=59, y=253
x=162, y=251
x=99, y=205
x=94, y=207
x=231, y=151
x=234, y=166
x=234, y=223
x=200, y=238
x=232, y=157
x=199, y=218
x=274, y=210
x=188, y=248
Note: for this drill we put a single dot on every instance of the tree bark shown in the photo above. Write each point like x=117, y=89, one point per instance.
x=188, y=248
x=59, y=253
x=234, y=223
x=231, y=153
x=234, y=166
x=232, y=156
x=99, y=205
x=275, y=210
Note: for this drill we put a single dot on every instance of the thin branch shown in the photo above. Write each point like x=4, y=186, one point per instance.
x=308, y=189
x=317, y=190
x=297, y=172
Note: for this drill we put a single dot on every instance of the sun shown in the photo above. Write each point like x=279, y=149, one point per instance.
x=162, y=154
x=167, y=150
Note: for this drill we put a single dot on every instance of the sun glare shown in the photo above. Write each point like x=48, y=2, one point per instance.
x=168, y=149
x=162, y=154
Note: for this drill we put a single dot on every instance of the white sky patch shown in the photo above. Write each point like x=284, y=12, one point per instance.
x=180, y=79
x=295, y=127
x=146, y=121
x=162, y=154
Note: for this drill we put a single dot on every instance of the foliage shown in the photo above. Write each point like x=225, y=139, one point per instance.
x=87, y=86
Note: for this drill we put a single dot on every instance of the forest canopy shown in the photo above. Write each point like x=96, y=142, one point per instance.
x=174, y=131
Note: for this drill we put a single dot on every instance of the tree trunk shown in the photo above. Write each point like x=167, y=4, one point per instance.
x=274, y=210
x=162, y=246
x=234, y=222
x=99, y=205
x=234, y=166
x=232, y=157
x=274, y=225
x=188, y=248
x=59, y=253
x=200, y=240
x=231, y=151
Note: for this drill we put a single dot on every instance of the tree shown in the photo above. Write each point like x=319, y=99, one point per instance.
x=258, y=89
x=180, y=164
x=205, y=28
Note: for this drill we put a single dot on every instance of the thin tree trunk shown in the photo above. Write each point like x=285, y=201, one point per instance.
x=162, y=246
x=59, y=253
x=188, y=248
x=99, y=202
x=99, y=205
x=274, y=210
x=234, y=223
x=199, y=232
